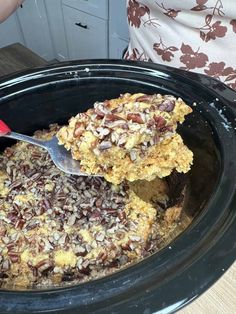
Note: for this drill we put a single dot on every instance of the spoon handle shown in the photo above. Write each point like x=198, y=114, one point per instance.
x=5, y=131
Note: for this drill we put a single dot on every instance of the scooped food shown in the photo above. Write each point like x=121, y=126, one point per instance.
x=129, y=138
x=58, y=229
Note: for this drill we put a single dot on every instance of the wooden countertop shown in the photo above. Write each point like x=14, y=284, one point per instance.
x=221, y=297
x=16, y=57
x=218, y=299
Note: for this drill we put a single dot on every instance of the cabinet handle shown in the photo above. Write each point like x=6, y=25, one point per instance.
x=82, y=25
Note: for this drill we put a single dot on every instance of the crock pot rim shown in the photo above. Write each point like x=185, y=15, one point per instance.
x=213, y=86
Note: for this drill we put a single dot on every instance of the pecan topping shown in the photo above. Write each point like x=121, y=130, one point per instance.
x=102, y=256
x=145, y=98
x=135, y=117
x=79, y=129
x=122, y=215
x=3, y=230
x=167, y=105
x=80, y=251
x=6, y=265
x=113, y=117
x=14, y=257
x=8, y=152
x=57, y=228
x=160, y=121
x=105, y=145
x=44, y=265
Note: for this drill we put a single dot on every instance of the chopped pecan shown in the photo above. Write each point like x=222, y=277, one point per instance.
x=15, y=184
x=135, y=117
x=14, y=256
x=145, y=98
x=126, y=246
x=3, y=230
x=167, y=105
x=79, y=129
x=19, y=223
x=133, y=155
x=160, y=121
x=5, y=265
x=13, y=216
x=102, y=256
x=98, y=202
x=122, y=215
x=104, y=145
x=150, y=123
x=71, y=220
x=9, y=152
x=113, y=117
x=80, y=251
x=44, y=265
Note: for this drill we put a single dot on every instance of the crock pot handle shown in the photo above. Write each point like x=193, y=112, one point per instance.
x=4, y=129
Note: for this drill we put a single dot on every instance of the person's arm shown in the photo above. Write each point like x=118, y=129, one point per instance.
x=7, y=7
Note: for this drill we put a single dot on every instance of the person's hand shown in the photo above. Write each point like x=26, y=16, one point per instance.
x=7, y=7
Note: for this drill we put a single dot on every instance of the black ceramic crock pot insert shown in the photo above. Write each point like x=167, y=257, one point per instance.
x=176, y=275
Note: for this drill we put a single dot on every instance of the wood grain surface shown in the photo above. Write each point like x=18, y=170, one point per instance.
x=218, y=299
x=16, y=57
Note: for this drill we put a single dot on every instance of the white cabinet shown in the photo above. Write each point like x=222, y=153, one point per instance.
x=34, y=25
x=56, y=24
x=87, y=35
x=118, y=28
x=10, y=32
x=95, y=29
x=97, y=8
x=118, y=19
x=69, y=29
x=117, y=46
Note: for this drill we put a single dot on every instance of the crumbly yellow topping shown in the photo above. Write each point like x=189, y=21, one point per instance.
x=129, y=138
x=57, y=229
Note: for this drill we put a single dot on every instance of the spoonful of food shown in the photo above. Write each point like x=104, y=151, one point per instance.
x=59, y=155
x=133, y=137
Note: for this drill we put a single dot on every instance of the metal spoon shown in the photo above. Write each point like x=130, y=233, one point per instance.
x=60, y=156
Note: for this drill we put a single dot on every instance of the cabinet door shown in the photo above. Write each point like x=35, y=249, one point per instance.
x=94, y=7
x=117, y=47
x=118, y=19
x=86, y=35
x=34, y=24
x=56, y=24
x=10, y=32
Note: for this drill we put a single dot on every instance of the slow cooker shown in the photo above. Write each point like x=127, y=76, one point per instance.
x=194, y=260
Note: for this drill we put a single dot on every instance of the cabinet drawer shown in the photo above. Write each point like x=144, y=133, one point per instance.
x=87, y=36
x=94, y=7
